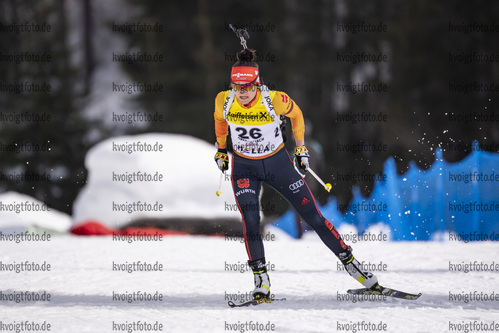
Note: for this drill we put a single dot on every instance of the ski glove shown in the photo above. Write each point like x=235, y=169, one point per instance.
x=301, y=158
x=222, y=159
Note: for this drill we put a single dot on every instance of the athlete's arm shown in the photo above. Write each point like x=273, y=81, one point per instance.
x=284, y=105
x=221, y=126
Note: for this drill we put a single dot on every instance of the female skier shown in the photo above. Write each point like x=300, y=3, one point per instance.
x=252, y=113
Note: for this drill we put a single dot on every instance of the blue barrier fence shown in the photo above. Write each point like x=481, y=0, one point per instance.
x=461, y=198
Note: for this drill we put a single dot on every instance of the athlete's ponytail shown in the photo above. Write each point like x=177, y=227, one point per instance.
x=246, y=58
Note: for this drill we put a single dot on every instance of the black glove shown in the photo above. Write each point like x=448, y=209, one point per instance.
x=222, y=159
x=301, y=158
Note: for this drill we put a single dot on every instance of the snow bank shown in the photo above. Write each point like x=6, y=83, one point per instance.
x=20, y=211
x=187, y=188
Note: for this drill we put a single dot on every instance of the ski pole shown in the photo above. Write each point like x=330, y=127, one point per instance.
x=327, y=186
x=219, y=192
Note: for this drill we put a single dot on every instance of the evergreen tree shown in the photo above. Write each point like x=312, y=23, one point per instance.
x=52, y=147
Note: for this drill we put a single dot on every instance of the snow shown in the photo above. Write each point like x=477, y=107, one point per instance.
x=183, y=191
x=23, y=211
x=196, y=286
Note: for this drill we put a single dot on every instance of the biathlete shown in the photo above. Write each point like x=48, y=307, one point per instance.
x=252, y=113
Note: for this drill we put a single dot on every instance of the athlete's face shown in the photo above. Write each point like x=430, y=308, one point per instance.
x=245, y=94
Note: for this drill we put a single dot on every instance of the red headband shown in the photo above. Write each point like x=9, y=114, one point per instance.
x=244, y=73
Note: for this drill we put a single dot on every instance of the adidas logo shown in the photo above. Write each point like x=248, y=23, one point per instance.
x=304, y=201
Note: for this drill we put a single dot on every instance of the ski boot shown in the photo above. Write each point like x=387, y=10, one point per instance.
x=355, y=269
x=261, y=279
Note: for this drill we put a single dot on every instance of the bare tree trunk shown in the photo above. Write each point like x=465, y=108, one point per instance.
x=207, y=50
x=87, y=41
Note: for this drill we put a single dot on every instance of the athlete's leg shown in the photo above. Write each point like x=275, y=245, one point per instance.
x=246, y=183
x=290, y=184
x=246, y=186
